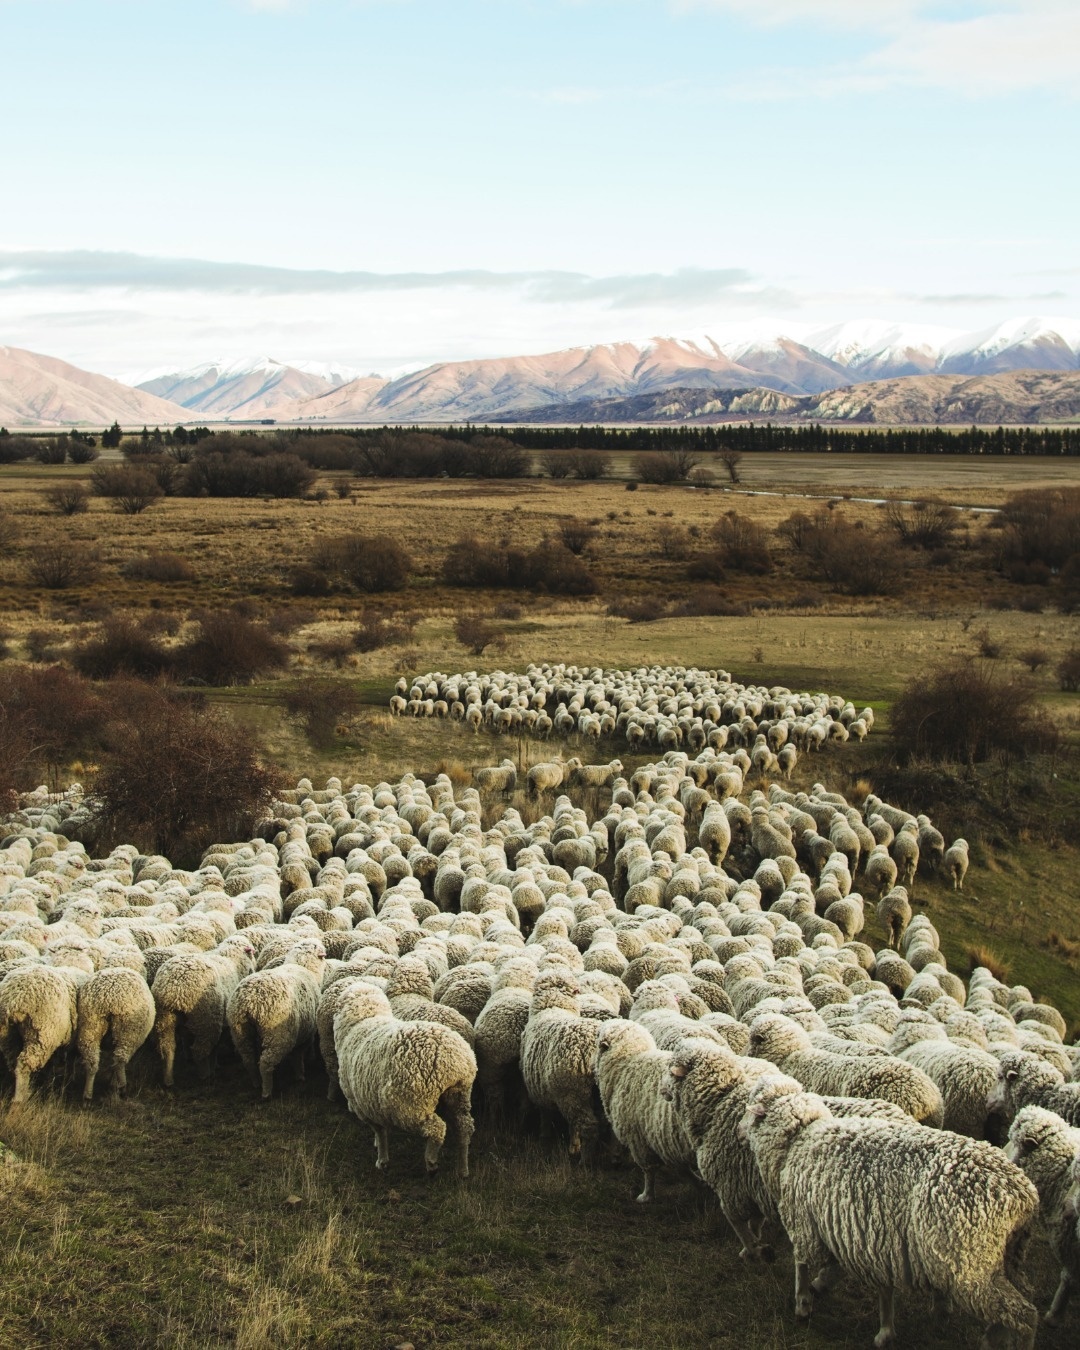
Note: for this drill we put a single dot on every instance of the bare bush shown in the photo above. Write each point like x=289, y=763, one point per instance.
x=323, y=707
x=672, y=540
x=742, y=544
x=967, y=712
x=130, y=488
x=576, y=534
x=68, y=499
x=123, y=646
x=180, y=775
x=1034, y=658
x=48, y=717
x=58, y=566
x=1042, y=524
x=230, y=649
x=548, y=567
x=666, y=466
x=475, y=633
x=923, y=524
x=163, y=567
x=375, y=631
x=646, y=609
x=731, y=459
x=1068, y=671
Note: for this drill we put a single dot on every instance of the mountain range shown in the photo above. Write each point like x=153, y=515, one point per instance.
x=749, y=371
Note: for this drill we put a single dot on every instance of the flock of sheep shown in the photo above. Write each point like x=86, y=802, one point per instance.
x=686, y=976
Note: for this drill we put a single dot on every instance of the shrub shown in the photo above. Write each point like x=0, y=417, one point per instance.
x=42, y=644
x=321, y=706
x=922, y=524
x=856, y=562
x=82, y=451
x=48, y=717
x=666, y=466
x=508, y=610
x=163, y=567
x=672, y=541
x=230, y=649
x=163, y=469
x=712, y=602
x=239, y=473
x=1068, y=671
x=179, y=776
x=742, y=544
x=550, y=566
x=10, y=531
x=374, y=563
x=1034, y=658
x=475, y=633
x=124, y=646
x=967, y=712
x=1068, y=595
x=632, y=486
x=68, y=499
x=496, y=457
x=14, y=449
x=989, y=647
x=577, y=535
x=648, y=609
x=1042, y=525
x=133, y=489
x=51, y=449
x=60, y=565
x=313, y=582
x=375, y=631
x=731, y=459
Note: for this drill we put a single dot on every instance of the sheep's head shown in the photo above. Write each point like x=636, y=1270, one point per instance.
x=622, y=1038
x=1032, y=1129
x=775, y=1037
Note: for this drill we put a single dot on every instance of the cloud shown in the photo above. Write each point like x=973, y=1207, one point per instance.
x=84, y=270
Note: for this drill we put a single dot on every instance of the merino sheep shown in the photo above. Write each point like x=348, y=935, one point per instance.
x=271, y=1014
x=192, y=991
x=630, y=1071
x=895, y=1206
x=1046, y=1149
x=401, y=1075
x=115, y=1005
x=957, y=858
x=558, y=1058
x=1024, y=1079
x=38, y=1017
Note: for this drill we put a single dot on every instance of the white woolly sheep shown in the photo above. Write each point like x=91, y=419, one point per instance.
x=1046, y=1149
x=114, y=1005
x=558, y=1058
x=957, y=858
x=271, y=1014
x=404, y=1075
x=191, y=992
x=38, y=1017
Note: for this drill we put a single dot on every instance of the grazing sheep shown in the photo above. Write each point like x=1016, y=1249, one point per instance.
x=114, y=1004
x=790, y=1048
x=956, y=863
x=558, y=1058
x=1046, y=1150
x=630, y=1071
x=192, y=991
x=894, y=1206
x=502, y=779
x=271, y=1014
x=38, y=1017
x=401, y=1075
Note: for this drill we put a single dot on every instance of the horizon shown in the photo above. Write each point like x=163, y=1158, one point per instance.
x=389, y=185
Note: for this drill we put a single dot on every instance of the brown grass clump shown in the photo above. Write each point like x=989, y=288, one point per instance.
x=984, y=956
x=1066, y=947
x=164, y=567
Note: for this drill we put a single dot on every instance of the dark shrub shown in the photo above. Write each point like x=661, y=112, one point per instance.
x=49, y=716
x=374, y=563
x=123, y=647
x=69, y=499
x=321, y=706
x=162, y=567
x=968, y=712
x=475, y=633
x=230, y=649
x=742, y=544
x=313, y=582
x=712, y=602
x=243, y=474
x=923, y=524
x=1034, y=658
x=83, y=451
x=51, y=449
x=179, y=776
x=1068, y=593
x=552, y=567
x=131, y=488
x=1068, y=671
x=647, y=609
x=61, y=565
x=1042, y=525
x=375, y=631
x=577, y=534
x=14, y=449
x=666, y=466
x=672, y=540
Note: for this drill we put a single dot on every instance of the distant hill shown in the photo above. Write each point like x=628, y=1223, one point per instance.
x=39, y=390
x=1014, y=397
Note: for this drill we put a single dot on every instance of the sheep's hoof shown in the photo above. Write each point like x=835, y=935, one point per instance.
x=804, y=1306
x=431, y=1168
x=643, y=1198
x=1052, y=1319
x=884, y=1338
x=380, y=1164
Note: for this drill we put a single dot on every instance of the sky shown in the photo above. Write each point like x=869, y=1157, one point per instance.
x=386, y=183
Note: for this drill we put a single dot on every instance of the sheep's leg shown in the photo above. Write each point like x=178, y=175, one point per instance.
x=165, y=1035
x=1061, y=1300
x=90, y=1055
x=382, y=1146
x=456, y=1104
x=1004, y=1309
x=298, y=1061
x=804, y=1293
x=827, y=1277
x=752, y=1247
x=267, y=1065
x=887, y=1316
x=119, y=1075
x=204, y=1048
x=433, y=1132
x=22, y=1081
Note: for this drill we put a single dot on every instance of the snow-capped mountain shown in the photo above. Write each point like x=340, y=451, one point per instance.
x=258, y=387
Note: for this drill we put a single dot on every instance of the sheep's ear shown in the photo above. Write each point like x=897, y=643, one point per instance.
x=1010, y=1074
x=757, y=1110
x=678, y=1071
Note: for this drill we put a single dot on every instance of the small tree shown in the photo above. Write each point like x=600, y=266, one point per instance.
x=922, y=524
x=1034, y=658
x=666, y=466
x=323, y=707
x=69, y=499
x=1068, y=671
x=731, y=459
x=131, y=488
x=60, y=565
x=475, y=633
x=577, y=534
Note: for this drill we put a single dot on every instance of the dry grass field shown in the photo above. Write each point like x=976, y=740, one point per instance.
x=200, y=1218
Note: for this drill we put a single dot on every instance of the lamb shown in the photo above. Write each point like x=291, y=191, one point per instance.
x=401, y=1075
x=271, y=1014
x=192, y=991
x=895, y=1206
x=629, y=1072
x=789, y=1047
x=38, y=1017
x=1026, y=1080
x=956, y=863
x=1046, y=1150
x=558, y=1058
x=114, y=1003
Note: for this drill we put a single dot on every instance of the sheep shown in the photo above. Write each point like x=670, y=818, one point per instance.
x=558, y=1058
x=547, y=777
x=271, y=1014
x=1026, y=1080
x=789, y=1047
x=895, y=1206
x=114, y=1003
x=629, y=1073
x=38, y=1017
x=956, y=863
x=193, y=991
x=905, y=852
x=964, y=1074
x=502, y=779
x=894, y=914
x=401, y=1075
x=1046, y=1150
